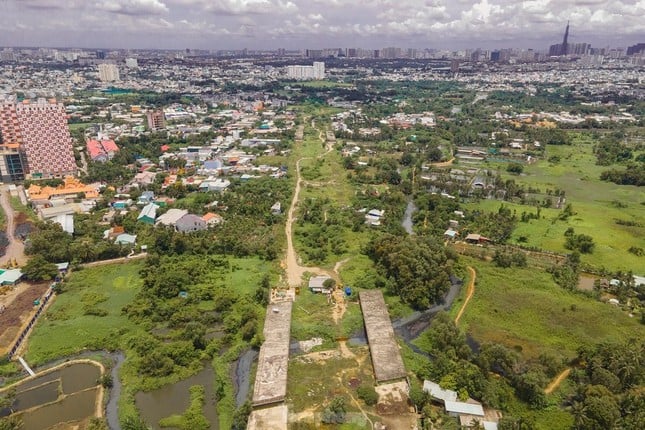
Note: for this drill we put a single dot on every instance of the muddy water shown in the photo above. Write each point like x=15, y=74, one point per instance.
x=76, y=383
x=174, y=399
x=46, y=393
x=111, y=409
x=47, y=388
x=242, y=378
x=75, y=407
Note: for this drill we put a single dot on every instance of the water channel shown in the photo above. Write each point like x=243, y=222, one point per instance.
x=174, y=399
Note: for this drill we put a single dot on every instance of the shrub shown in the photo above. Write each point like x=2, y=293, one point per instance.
x=367, y=394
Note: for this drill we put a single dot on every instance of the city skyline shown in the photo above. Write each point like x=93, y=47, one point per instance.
x=299, y=24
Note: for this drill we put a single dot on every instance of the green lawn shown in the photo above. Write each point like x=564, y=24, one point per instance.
x=65, y=329
x=524, y=309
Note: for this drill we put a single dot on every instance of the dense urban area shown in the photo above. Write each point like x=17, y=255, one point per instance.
x=330, y=238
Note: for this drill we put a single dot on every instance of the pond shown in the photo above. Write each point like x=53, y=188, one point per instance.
x=174, y=399
x=62, y=395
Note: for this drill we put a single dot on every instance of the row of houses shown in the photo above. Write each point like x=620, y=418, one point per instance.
x=180, y=219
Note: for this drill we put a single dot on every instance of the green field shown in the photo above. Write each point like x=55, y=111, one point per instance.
x=597, y=205
x=65, y=329
x=525, y=310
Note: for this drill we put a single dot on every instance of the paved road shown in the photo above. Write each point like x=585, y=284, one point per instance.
x=16, y=249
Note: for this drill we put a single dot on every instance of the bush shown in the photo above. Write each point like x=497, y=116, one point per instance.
x=335, y=412
x=367, y=394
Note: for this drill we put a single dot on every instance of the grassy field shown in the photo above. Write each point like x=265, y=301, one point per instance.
x=597, y=206
x=323, y=84
x=525, y=310
x=20, y=208
x=65, y=329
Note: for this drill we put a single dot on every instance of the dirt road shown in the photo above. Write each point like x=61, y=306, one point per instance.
x=557, y=381
x=15, y=250
x=469, y=294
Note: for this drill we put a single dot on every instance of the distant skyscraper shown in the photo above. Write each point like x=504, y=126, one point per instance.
x=562, y=48
x=565, y=41
x=636, y=49
x=108, y=73
x=35, y=140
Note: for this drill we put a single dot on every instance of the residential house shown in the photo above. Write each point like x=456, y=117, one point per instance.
x=146, y=197
x=122, y=204
x=126, y=239
x=148, y=214
x=373, y=217
x=101, y=151
x=144, y=178
x=450, y=234
x=212, y=218
x=212, y=184
x=276, y=209
x=189, y=223
x=171, y=217
x=316, y=284
x=476, y=238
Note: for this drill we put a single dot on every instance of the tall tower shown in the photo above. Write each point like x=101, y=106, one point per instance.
x=565, y=41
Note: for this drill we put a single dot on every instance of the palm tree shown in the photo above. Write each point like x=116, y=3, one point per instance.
x=579, y=412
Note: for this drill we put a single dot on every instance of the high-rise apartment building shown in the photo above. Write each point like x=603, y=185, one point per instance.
x=156, y=120
x=317, y=71
x=35, y=140
x=108, y=72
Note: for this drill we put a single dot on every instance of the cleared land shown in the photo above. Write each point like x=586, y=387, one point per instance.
x=386, y=357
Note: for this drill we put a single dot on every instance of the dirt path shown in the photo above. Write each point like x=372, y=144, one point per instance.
x=443, y=163
x=15, y=250
x=292, y=267
x=469, y=294
x=557, y=381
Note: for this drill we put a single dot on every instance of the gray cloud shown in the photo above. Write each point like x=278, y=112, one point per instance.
x=132, y=7
x=221, y=24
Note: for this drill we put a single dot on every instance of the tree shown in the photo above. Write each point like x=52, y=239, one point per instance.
x=515, y=168
x=7, y=399
x=11, y=423
x=417, y=268
x=367, y=394
x=39, y=269
x=329, y=283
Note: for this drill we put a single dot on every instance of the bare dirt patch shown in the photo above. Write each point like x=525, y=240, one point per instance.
x=19, y=305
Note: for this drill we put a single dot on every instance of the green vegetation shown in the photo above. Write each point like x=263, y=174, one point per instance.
x=137, y=307
x=415, y=268
x=525, y=310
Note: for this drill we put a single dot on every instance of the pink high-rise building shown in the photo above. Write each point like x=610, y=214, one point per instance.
x=40, y=133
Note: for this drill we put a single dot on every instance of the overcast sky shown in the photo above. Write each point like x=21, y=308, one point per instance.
x=295, y=24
